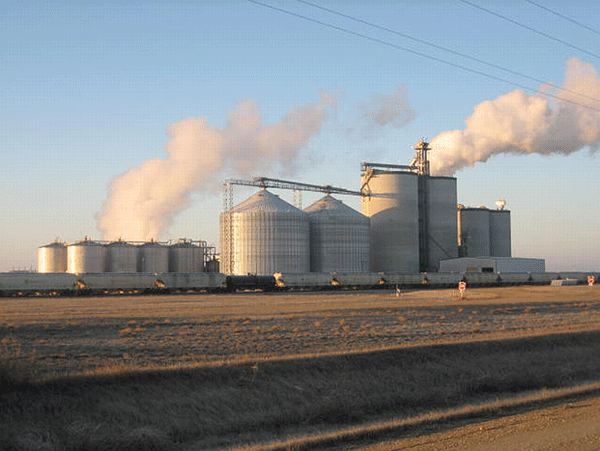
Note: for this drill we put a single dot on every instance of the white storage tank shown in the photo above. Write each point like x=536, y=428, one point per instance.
x=52, y=258
x=441, y=221
x=339, y=237
x=264, y=235
x=86, y=256
x=474, y=238
x=153, y=257
x=394, y=213
x=500, y=240
x=121, y=257
x=186, y=256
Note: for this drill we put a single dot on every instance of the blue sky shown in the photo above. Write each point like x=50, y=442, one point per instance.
x=89, y=89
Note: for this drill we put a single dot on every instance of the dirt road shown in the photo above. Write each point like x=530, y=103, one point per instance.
x=572, y=426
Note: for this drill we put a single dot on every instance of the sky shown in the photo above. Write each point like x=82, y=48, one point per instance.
x=112, y=110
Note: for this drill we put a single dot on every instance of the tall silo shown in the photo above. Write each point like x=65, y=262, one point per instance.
x=393, y=209
x=474, y=237
x=500, y=238
x=86, y=256
x=339, y=237
x=121, y=257
x=186, y=256
x=264, y=235
x=440, y=216
x=52, y=257
x=153, y=257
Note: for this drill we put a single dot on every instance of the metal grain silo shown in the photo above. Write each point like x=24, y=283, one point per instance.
x=440, y=221
x=339, y=237
x=186, y=256
x=86, y=256
x=474, y=237
x=393, y=209
x=121, y=257
x=264, y=235
x=500, y=244
x=52, y=257
x=153, y=257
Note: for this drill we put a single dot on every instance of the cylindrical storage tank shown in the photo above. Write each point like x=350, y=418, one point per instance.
x=339, y=237
x=393, y=209
x=153, y=257
x=441, y=221
x=52, y=257
x=264, y=235
x=500, y=239
x=474, y=232
x=186, y=256
x=86, y=256
x=121, y=257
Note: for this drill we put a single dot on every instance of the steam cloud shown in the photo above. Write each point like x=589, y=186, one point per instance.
x=383, y=109
x=523, y=124
x=143, y=201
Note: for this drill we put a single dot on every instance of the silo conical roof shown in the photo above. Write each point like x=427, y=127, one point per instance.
x=264, y=201
x=331, y=206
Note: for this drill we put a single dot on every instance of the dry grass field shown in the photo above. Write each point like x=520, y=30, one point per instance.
x=198, y=371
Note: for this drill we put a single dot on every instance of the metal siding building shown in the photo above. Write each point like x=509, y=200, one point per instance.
x=86, y=256
x=494, y=264
x=474, y=238
x=52, y=258
x=394, y=213
x=500, y=237
x=339, y=237
x=153, y=258
x=121, y=257
x=441, y=228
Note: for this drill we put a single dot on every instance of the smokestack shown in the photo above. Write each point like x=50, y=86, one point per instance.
x=143, y=201
x=523, y=124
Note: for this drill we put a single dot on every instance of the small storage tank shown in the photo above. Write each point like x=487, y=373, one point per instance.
x=264, y=235
x=441, y=221
x=500, y=238
x=153, y=257
x=394, y=213
x=339, y=237
x=474, y=235
x=121, y=257
x=52, y=257
x=186, y=256
x=86, y=256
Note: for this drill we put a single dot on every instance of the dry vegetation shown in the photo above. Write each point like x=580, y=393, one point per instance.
x=201, y=371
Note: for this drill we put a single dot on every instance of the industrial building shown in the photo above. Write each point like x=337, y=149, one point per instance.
x=484, y=232
x=494, y=264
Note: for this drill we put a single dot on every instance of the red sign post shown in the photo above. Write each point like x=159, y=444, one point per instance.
x=462, y=286
x=591, y=280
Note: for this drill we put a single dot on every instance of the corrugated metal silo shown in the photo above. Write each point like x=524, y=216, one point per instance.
x=441, y=221
x=339, y=237
x=500, y=244
x=186, y=256
x=474, y=226
x=52, y=257
x=86, y=256
x=121, y=257
x=153, y=257
x=393, y=209
x=265, y=235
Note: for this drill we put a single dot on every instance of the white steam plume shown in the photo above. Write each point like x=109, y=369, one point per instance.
x=383, y=109
x=143, y=201
x=521, y=123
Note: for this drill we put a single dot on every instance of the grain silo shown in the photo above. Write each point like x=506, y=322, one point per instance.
x=52, y=257
x=153, y=257
x=187, y=256
x=500, y=237
x=339, y=237
x=264, y=235
x=86, y=256
x=439, y=217
x=474, y=236
x=121, y=257
x=392, y=205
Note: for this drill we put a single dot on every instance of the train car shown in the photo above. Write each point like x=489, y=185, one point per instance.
x=305, y=280
x=97, y=283
x=31, y=283
x=357, y=280
x=481, y=279
x=250, y=283
x=515, y=278
x=402, y=280
x=441, y=279
x=192, y=281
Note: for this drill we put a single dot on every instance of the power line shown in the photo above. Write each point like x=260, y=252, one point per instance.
x=415, y=52
x=564, y=17
x=541, y=33
x=446, y=49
